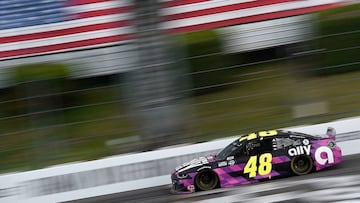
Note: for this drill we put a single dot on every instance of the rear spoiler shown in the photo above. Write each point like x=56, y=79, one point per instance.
x=331, y=132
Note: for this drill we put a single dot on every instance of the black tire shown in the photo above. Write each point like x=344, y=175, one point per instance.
x=301, y=165
x=206, y=180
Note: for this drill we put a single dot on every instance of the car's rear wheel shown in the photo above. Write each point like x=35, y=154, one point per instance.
x=302, y=165
x=206, y=180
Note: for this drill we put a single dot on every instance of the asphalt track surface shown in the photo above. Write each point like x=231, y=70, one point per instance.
x=345, y=177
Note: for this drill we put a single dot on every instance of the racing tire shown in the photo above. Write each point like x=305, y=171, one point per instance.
x=206, y=180
x=301, y=165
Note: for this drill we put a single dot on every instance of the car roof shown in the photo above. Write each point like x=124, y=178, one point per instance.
x=280, y=134
x=287, y=133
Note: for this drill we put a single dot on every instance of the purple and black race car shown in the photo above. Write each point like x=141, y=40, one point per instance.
x=256, y=157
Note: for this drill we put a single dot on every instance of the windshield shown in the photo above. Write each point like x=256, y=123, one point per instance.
x=228, y=150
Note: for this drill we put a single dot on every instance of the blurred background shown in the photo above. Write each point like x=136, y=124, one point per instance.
x=86, y=79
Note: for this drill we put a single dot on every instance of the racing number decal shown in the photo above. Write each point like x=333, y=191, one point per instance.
x=267, y=133
x=251, y=167
x=251, y=136
x=264, y=167
x=261, y=134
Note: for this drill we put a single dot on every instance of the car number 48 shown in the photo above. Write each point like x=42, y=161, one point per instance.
x=264, y=167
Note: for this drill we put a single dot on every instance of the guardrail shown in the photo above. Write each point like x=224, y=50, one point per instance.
x=133, y=171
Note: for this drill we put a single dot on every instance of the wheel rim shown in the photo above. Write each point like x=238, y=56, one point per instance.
x=206, y=181
x=302, y=165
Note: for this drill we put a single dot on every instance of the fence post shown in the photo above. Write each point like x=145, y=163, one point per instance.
x=154, y=85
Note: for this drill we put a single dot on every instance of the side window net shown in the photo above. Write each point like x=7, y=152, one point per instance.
x=281, y=143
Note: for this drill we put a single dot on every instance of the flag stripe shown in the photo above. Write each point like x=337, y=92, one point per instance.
x=84, y=2
x=200, y=6
x=95, y=13
x=224, y=16
x=172, y=3
x=92, y=23
x=95, y=23
x=222, y=9
x=98, y=6
x=66, y=25
x=65, y=46
x=65, y=38
x=248, y=19
x=63, y=32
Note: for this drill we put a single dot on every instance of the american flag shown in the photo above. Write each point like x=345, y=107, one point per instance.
x=194, y=15
x=35, y=27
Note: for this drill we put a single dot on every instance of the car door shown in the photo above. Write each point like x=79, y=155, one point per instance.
x=259, y=164
x=230, y=169
x=237, y=159
x=281, y=158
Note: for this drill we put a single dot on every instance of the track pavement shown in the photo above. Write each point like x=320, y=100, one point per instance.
x=337, y=184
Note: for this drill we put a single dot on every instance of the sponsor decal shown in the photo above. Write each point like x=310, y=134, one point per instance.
x=231, y=162
x=306, y=142
x=329, y=155
x=191, y=188
x=331, y=144
x=299, y=150
x=230, y=158
x=226, y=163
x=222, y=164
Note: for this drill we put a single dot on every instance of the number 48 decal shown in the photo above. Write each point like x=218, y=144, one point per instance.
x=264, y=167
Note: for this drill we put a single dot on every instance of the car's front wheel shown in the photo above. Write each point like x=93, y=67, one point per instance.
x=302, y=165
x=206, y=180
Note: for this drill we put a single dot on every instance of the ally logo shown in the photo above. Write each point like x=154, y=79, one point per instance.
x=319, y=157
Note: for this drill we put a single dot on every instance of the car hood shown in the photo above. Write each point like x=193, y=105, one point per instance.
x=195, y=163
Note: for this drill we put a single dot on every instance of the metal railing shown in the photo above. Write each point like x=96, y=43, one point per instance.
x=90, y=115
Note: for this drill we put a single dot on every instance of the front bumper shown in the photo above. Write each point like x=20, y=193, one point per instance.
x=179, y=189
x=181, y=186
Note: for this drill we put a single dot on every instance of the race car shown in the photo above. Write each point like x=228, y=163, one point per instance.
x=257, y=157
